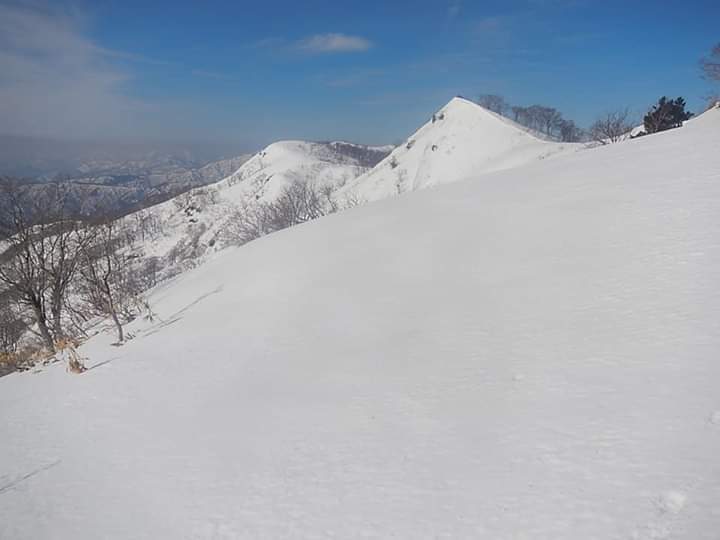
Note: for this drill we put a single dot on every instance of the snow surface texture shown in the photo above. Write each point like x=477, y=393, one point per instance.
x=531, y=354
x=463, y=139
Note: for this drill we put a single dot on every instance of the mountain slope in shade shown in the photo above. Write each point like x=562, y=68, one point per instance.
x=462, y=140
x=527, y=354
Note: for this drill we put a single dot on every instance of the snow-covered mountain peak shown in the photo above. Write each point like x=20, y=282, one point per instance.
x=269, y=171
x=459, y=140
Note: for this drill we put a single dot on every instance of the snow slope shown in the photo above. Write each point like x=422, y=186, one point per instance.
x=190, y=226
x=529, y=354
x=461, y=140
x=282, y=163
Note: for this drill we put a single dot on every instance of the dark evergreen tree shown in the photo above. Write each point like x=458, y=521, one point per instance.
x=666, y=114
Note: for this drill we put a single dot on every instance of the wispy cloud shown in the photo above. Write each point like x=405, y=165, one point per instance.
x=54, y=81
x=333, y=43
x=57, y=82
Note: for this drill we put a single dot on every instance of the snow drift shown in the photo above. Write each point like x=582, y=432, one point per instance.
x=528, y=354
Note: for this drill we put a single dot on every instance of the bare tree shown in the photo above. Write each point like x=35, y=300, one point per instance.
x=248, y=222
x=21, y=267
x=329, y=202
x=42, y=257
x=520, y=114
x=611, y=127
x=711, y=64
x=548, y=119
x=533, y=115
x=12, y=326
x=106, y=279
x=147, y=224
x=299, y=202
x=569, y=132
x=493, y=102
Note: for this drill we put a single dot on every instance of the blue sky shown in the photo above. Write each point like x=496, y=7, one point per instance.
x=253, y=72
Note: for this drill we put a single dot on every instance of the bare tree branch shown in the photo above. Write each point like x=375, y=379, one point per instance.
x=612, y=127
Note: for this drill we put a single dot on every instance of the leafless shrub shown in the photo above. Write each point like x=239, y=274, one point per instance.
x=612, y=127
x=145, y=224
x=183, y=201
x=147, y=272
x=299, y=202
x=351, y=200
x=67, y=353
x=246, y=223
x=8, y=363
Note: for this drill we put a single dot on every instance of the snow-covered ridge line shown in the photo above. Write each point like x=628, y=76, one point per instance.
x=195, y=225
x=460, y=140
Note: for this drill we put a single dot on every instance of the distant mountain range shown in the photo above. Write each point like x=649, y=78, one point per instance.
x=117, y=194
x=113, y=179
x=39, y=159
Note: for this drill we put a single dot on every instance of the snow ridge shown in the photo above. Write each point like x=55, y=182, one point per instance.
x=462, y=139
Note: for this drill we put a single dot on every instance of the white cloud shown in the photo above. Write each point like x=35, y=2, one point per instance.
x=56, y=82
x=334, y=43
